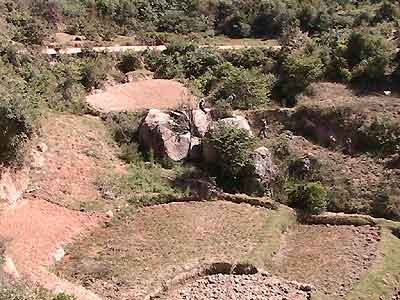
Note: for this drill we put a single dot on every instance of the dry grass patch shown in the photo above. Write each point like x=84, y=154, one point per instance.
x=135, y=256
x=332, y=258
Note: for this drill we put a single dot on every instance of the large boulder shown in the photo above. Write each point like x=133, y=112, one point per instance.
x=201, y=121
x=13, y=184
x=157, y=133
x=239, y=122
x=261, y=172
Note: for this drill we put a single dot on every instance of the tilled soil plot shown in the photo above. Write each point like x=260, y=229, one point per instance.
x=332, y=258
x=240, y=287
x=134, y=258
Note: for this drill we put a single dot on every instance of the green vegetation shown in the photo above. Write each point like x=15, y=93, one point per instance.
x=310, y=197
x=145, y=183
x=18, y=292
x=229, y=148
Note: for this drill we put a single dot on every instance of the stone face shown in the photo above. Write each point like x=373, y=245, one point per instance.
x=13, y=184
x=201, y=121
x=238, y=121
x=261, y=173
x=156, y=134
x=59, y=254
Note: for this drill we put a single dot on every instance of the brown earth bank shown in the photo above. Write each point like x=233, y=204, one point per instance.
x=140, y=95
x=353, y=181
x=72, y=152
x=332, y=258
x=79, y=150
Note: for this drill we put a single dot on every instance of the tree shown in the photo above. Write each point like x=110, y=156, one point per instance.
x=368, y=55
x=232, y=147
x=246, y=88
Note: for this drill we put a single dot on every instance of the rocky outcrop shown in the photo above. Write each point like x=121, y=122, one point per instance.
x=261, y=172
x=201, y=121
x=13, y=184
x=239, y=122
x=195, y=152
x=157, y=133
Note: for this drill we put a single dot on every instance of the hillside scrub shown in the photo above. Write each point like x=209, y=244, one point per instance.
x=310, y=197
x=232, y=148
x=19, y=113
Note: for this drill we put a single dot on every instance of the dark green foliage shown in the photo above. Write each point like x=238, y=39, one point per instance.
x=232, y=147
x=130, y=61
x=123, y=127
x=250, y=88
x=19, y=112
x=93, y=75
x=388, y=12
x=299, y=68
x=387, y=202
x=310, y=197
x=183, y=59
x=368, y=55
x=251, y=58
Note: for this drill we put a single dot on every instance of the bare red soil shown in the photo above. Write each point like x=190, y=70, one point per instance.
x=140, y=95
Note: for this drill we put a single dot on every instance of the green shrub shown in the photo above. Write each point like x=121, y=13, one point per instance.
x=387, y=201
x=130, y=61
x=387, y=12
x=299, y=69
x=368, y=55
x=183, y=59
x=250, y=58
x=63, y=296
x=19, y=112
x=143, y=184
x=310, y=197
x=124, y=126
x=93, y=75
x=69, y=91
x=232, y=147
x=250, y=87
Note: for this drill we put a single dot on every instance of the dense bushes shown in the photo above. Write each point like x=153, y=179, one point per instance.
x=19, y=112
x=299, y=69
x=368, y=55
x=231, y=147
x=248, y=88
x=387, y=202
x=310, y=197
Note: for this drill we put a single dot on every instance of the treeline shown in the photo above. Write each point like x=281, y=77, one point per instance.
x=31, y=21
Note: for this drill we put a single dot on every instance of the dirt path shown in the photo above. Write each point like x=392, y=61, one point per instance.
x=139, y=95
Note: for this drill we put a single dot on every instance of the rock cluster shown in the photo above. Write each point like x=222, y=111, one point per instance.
x=243, y=287
x=177, y=135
